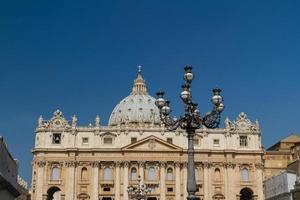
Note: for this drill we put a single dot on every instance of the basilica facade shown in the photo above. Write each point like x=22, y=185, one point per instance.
x=99, y=162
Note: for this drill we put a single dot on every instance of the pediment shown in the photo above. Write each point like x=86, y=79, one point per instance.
x=151, y=143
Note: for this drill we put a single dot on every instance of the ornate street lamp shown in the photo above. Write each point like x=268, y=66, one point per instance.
x=140, y=192
x=190, y=121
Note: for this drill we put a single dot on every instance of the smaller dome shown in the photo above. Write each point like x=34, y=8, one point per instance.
x=137, y=108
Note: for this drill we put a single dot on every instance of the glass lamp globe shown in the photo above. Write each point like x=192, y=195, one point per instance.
x=188, y=76
x=220, y=107
x=185, y=95
x=165, y=110
x=160, y=102
x=216, y=99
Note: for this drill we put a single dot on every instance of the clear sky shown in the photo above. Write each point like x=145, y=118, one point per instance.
x=82, y=56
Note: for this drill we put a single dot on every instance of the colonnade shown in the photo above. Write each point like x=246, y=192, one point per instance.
x=122, y=179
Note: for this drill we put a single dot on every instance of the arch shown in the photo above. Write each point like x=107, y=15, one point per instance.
x=217, y=174
x=218, y=196
x=107, y=173
x=55, y=173
x=151, y=173
x=169, y=174
x=54, y=193
x=133, y=173
x=84, y=174
x=245, y=174
x=83, y=196
x=246, y=194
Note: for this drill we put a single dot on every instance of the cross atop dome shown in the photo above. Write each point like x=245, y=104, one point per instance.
x=139, y=85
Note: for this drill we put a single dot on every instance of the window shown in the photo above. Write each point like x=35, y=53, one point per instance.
x=243, y=141
x=196, y=141
x=107, y=140
x=151, y=173
x=84, y=174
x=133, y=140
x=170, y=189
x=85, y=140
x=107, y=173
x=169, y=174
x=106, y=189
x=170, y=140
x=245, y=174
x=56, y=138
x=55, y=174
x=216, y=142
x=217, y=174
x=133, y=174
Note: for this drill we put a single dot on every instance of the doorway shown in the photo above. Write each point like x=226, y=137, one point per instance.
x=54, y=193
x=246, y=194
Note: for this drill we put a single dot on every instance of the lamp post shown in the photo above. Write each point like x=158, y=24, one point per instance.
x=140, y=192
x=190, y=121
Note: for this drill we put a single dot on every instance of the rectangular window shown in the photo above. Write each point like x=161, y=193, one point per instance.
x=170, y=140
x=216, y=142
x=85, y=140
x=170, y=189
x=106, y=189
x=196, y=141
x=107, y=140
x=56, y=138
x=133, y=140
x=243, y=141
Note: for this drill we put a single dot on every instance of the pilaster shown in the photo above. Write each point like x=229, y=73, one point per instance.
x=162, y=181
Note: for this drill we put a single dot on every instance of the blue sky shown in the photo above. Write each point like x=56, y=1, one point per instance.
x=82, y=56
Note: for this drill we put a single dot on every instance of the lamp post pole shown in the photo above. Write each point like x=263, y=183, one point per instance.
x=190, y=122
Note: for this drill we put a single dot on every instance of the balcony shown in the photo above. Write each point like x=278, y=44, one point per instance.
x=55, y=182
x=151, y=183
x=105, y=182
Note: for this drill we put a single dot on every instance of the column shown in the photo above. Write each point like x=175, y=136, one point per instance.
x=185, y=194
x=70, y=183
x=125, y=179
x=162, y=181
x=95, y=189
x=177, y=179
x=259, y=181
x=117, y=180
x=206, y=181
x=141, y=170
x=40, y=180
x=231, y=181
x=226, y=181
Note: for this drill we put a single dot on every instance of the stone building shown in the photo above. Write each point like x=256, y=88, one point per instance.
x=280, y=155
x=99, y=162
x=280, y=187
x=8, y=173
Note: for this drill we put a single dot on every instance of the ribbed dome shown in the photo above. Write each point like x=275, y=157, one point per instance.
x=137, y=108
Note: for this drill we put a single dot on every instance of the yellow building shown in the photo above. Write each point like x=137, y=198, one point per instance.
x=99, y=162
x=279, y=155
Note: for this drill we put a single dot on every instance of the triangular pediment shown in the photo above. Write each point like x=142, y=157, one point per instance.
x=151, y=143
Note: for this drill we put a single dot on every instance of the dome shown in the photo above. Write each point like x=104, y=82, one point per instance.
x=137, y=108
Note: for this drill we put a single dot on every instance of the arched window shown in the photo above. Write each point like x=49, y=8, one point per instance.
x=151, y=173
x=84, y=174
x=169, y=174
x=133, y=175
x=245, y=174
x=107, y=173
x=217, y=174
x=55, y=174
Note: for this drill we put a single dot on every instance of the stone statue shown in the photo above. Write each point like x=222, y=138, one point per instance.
x=74, y=121
x=40, y=121
x=97, y=121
